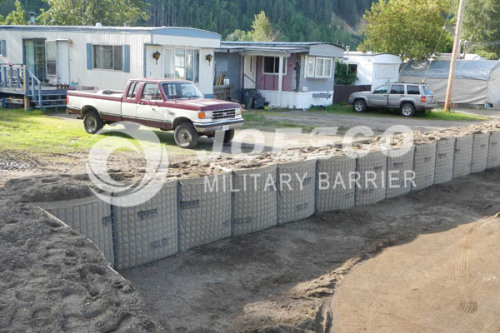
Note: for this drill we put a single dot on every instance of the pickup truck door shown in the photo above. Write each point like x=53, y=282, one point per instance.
x=147, y=108
x=379, y=97
x=129, y=103
x=396, y=94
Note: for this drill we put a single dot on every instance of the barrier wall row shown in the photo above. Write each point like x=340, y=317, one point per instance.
x=194, y=212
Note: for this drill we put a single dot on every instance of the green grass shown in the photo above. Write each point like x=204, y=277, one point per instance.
x=37, y=132
x=445, y=115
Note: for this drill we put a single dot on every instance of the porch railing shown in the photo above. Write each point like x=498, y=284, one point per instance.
x=13, y=76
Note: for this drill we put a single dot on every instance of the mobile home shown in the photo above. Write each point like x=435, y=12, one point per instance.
x=106, y=57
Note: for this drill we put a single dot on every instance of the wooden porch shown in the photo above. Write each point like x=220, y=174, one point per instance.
x=18, y=82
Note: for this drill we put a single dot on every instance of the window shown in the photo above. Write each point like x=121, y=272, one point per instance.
x=108, y=57
x=320, y=68
x=132, y=91
x=186, y=65
x=311, y=63
x=151, y=92
x=272, y=64
x=412, y=90
x=398, y=89
x=352, y=68
x=381, y=90
x=428, y=91
x=3, y=49
x=181, y=90
x=51, y=58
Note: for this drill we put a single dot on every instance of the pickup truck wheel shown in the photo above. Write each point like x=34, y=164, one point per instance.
x=407, y=110
x=359, y=105
x=228, y=136
x=92, y=122
x=186, y=136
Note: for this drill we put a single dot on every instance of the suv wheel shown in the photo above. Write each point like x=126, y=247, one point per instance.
x=359, y=105
x=407, y=110
x=186, y=136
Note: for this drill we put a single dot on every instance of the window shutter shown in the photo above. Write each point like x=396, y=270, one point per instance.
x=126, y=66
x=4, y=48
x=89, y=56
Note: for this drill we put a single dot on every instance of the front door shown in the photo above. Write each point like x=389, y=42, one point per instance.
x=154, y=67
x=250, y=72
x=63, y=61
x=34, y=57
x=147, y=111
x=379, y=97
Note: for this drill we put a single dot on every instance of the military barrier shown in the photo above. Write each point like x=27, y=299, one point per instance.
x=335, y=189
x=193, y=212
x=444, y=161
x=372, y=170
x=462, y=160
x=254, y=200
x=424, y=165
x=480, y=148
x=147, y=232
x=296, y=187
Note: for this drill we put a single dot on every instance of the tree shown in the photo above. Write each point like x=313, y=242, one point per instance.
x=262, y=29
x=412, y=29
x=89, y=12
x=481, y=27
x=15, y=17
x=239, y=35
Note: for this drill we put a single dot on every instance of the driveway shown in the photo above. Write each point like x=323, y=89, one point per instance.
x=377, y=122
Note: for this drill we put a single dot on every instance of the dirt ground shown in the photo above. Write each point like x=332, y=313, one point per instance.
x=292, y=278
x=329, y=273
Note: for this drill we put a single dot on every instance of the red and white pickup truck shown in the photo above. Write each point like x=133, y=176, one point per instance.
x=165, y=104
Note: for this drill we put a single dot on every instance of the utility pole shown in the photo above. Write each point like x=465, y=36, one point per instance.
x=454, y=56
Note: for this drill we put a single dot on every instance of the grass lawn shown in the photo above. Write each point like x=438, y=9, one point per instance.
x=39, y=132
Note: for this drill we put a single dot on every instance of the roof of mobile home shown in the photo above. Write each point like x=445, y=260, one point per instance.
x=164, y=31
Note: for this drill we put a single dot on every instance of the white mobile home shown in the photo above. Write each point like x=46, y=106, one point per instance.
x=106, y=57
x=373, y=69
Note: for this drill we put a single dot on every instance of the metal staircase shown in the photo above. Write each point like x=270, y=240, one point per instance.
x=17, y=80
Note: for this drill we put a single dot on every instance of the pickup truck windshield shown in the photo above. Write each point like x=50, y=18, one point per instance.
x=177, y=90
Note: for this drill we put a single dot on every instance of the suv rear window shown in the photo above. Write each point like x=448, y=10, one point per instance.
x=428, y=91
x=413, y=90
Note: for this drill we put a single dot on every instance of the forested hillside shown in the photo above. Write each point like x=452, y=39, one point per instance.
x=296, y=20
